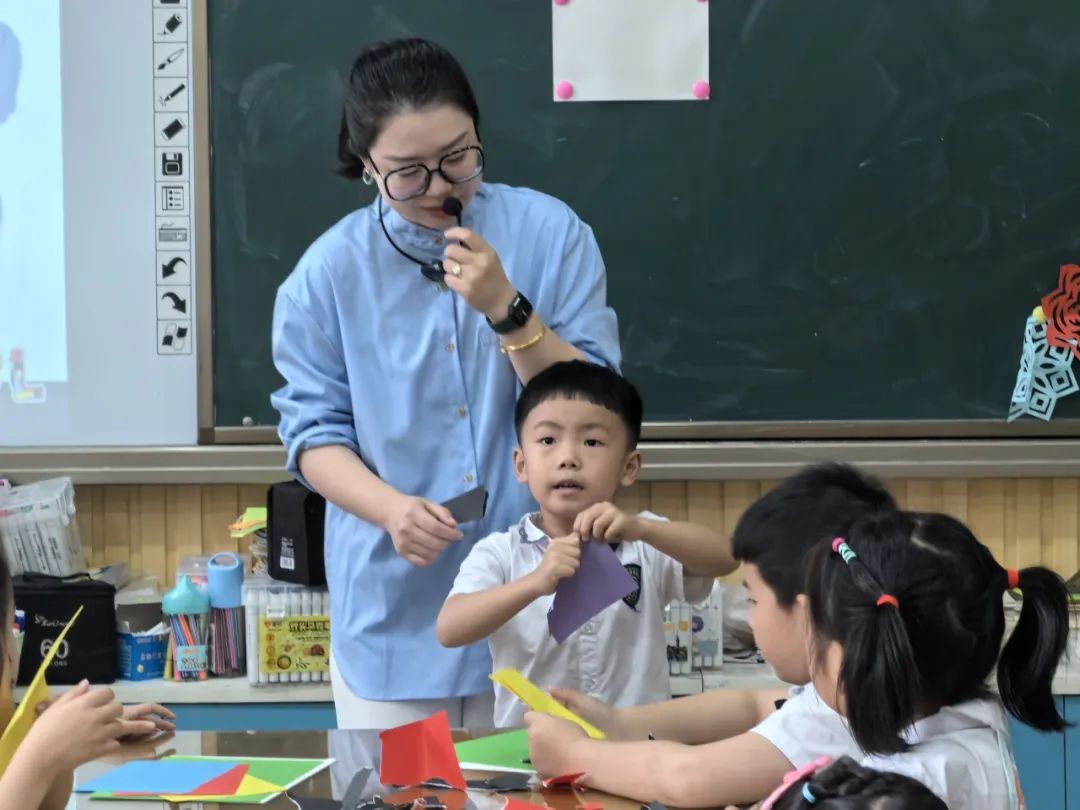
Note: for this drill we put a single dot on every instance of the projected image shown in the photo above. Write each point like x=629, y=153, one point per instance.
x=33, y=317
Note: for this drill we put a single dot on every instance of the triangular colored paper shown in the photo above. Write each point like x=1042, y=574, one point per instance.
x=540, y=701
x=419, y=751
x=38, y=691
x=225, y=785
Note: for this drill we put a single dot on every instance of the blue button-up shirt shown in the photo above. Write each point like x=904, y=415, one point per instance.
x=380, y=360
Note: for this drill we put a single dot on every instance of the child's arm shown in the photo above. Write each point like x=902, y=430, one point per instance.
x=692, y=720
x=702, y=551
x=739, y=770
x=470, y=617
x=24, y=784
x=59, y=792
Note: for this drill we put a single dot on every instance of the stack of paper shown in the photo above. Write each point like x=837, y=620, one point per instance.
x=225, y=780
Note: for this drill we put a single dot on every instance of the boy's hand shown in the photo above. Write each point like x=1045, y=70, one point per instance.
x=136, y=717
x=561, y=561
x=591, y=710
x=606, y=522
x=79, y=727
x=420, y=529
x=551, y=743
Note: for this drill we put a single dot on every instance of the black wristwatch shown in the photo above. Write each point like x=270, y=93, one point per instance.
x=517, y=315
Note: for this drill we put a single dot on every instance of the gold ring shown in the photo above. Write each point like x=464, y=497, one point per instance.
x=455, y=268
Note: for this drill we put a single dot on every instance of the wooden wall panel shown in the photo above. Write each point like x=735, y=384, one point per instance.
x=1023, y=521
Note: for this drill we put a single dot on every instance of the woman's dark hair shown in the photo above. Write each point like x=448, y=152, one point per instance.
x=846, y=785
x=915, y=600
x=391, y=77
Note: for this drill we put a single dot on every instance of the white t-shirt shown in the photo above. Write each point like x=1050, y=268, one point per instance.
x=619, y=656
x=962, y=752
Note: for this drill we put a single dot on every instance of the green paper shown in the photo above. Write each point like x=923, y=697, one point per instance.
x=507, y=752
x=262, y=798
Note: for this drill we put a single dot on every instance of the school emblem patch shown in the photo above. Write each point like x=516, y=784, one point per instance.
x=632, y=598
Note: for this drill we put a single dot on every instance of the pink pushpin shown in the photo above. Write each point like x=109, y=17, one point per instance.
x=561, y=2
x=564, y=91
x=701, y=90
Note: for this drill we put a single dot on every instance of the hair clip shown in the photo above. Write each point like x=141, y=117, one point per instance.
x=806, y=794
x=1012, y=578
x=888, y=599
x=809, y=769
x=840, y=546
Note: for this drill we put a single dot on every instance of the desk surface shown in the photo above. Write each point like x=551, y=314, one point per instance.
x=352, y=751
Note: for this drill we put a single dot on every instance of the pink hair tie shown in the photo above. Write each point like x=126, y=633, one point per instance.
x=809, y=769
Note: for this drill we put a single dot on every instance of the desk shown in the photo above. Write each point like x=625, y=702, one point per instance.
x=352, y=750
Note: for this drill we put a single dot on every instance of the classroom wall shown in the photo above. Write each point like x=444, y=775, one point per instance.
x=1023, y=521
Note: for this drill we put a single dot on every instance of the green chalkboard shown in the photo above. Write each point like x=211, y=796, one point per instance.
x=854, y=227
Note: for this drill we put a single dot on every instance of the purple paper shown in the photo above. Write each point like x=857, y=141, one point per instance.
x=600, y=581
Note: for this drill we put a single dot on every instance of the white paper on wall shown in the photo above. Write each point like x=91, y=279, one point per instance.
x=630, y=50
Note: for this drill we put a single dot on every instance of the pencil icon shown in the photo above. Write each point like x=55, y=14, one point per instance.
x=163, y=100
x=172, y=57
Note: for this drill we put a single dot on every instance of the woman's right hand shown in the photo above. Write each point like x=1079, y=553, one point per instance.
x=80, y=726
x=591, y=710
x=420, y=529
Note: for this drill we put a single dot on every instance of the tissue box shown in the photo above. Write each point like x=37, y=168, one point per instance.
x=141, y=658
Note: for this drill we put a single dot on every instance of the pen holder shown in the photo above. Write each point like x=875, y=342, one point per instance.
x=188, y=610
x=225, y=577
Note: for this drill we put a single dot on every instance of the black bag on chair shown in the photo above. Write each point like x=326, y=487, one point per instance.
x=89, y=649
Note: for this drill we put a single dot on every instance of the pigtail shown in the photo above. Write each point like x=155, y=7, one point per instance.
x=847, y=785
x=879, y=679
x=1031, y=655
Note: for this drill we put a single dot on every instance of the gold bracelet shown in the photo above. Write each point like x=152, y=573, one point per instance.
x=530, y=342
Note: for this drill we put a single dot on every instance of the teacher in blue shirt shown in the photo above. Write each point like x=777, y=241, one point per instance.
x=401, y=379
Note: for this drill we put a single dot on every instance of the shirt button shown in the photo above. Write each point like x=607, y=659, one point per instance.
x=468, y=478
x=461, y=412
x=449, y=347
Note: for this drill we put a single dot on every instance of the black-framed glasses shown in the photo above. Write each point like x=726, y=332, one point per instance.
x=459, y=166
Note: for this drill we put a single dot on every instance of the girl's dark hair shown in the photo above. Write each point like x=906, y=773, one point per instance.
x=390, y=77
x=940, y=645
x=846, y=785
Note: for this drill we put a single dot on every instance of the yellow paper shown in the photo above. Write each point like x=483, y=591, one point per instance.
x=250, y=786
x=36, y=692
x=540, y=701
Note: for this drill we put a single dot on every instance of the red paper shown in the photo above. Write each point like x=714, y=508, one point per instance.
x=420, y=751
x=1062, y=311
x=568, y=779
x=518, y=804
x=225, y=785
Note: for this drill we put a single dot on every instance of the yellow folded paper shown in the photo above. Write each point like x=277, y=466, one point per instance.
x=36, y=692
x=250, y=786
x=540, y=701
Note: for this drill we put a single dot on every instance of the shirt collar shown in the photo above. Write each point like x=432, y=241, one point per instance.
x=428, y=240
x=529, y=532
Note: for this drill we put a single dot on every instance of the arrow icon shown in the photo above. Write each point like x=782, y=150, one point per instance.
x=169, y=269
x=179, y=304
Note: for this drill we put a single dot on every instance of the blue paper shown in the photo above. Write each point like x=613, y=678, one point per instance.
x=1045, y=376
x=601, y=580
x=166, y=777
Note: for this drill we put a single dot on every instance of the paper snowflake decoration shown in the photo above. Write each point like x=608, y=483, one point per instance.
x=1045, y=376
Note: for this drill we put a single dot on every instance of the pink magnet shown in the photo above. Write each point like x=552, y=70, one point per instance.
x=564, y=91
x=701, y=90
x=561, y=2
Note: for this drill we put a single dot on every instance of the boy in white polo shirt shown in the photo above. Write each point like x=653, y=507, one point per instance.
x=578, y=426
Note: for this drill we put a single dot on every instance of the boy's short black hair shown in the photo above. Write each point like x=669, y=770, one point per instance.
x=577, y=379
x=817, y=503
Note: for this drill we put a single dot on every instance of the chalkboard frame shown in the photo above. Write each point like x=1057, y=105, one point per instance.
x=690, y=431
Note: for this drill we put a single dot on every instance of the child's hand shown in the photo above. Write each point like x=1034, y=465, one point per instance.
x=551, y=743
x=591, y=710
x=135, y=718
x=561, y=561
x=605, y=521
x=78, y=727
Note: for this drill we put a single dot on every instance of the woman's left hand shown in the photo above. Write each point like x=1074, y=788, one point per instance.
x=474, y=272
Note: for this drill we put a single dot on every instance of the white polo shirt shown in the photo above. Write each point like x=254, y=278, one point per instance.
x=961, y=752
x=619, y=656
